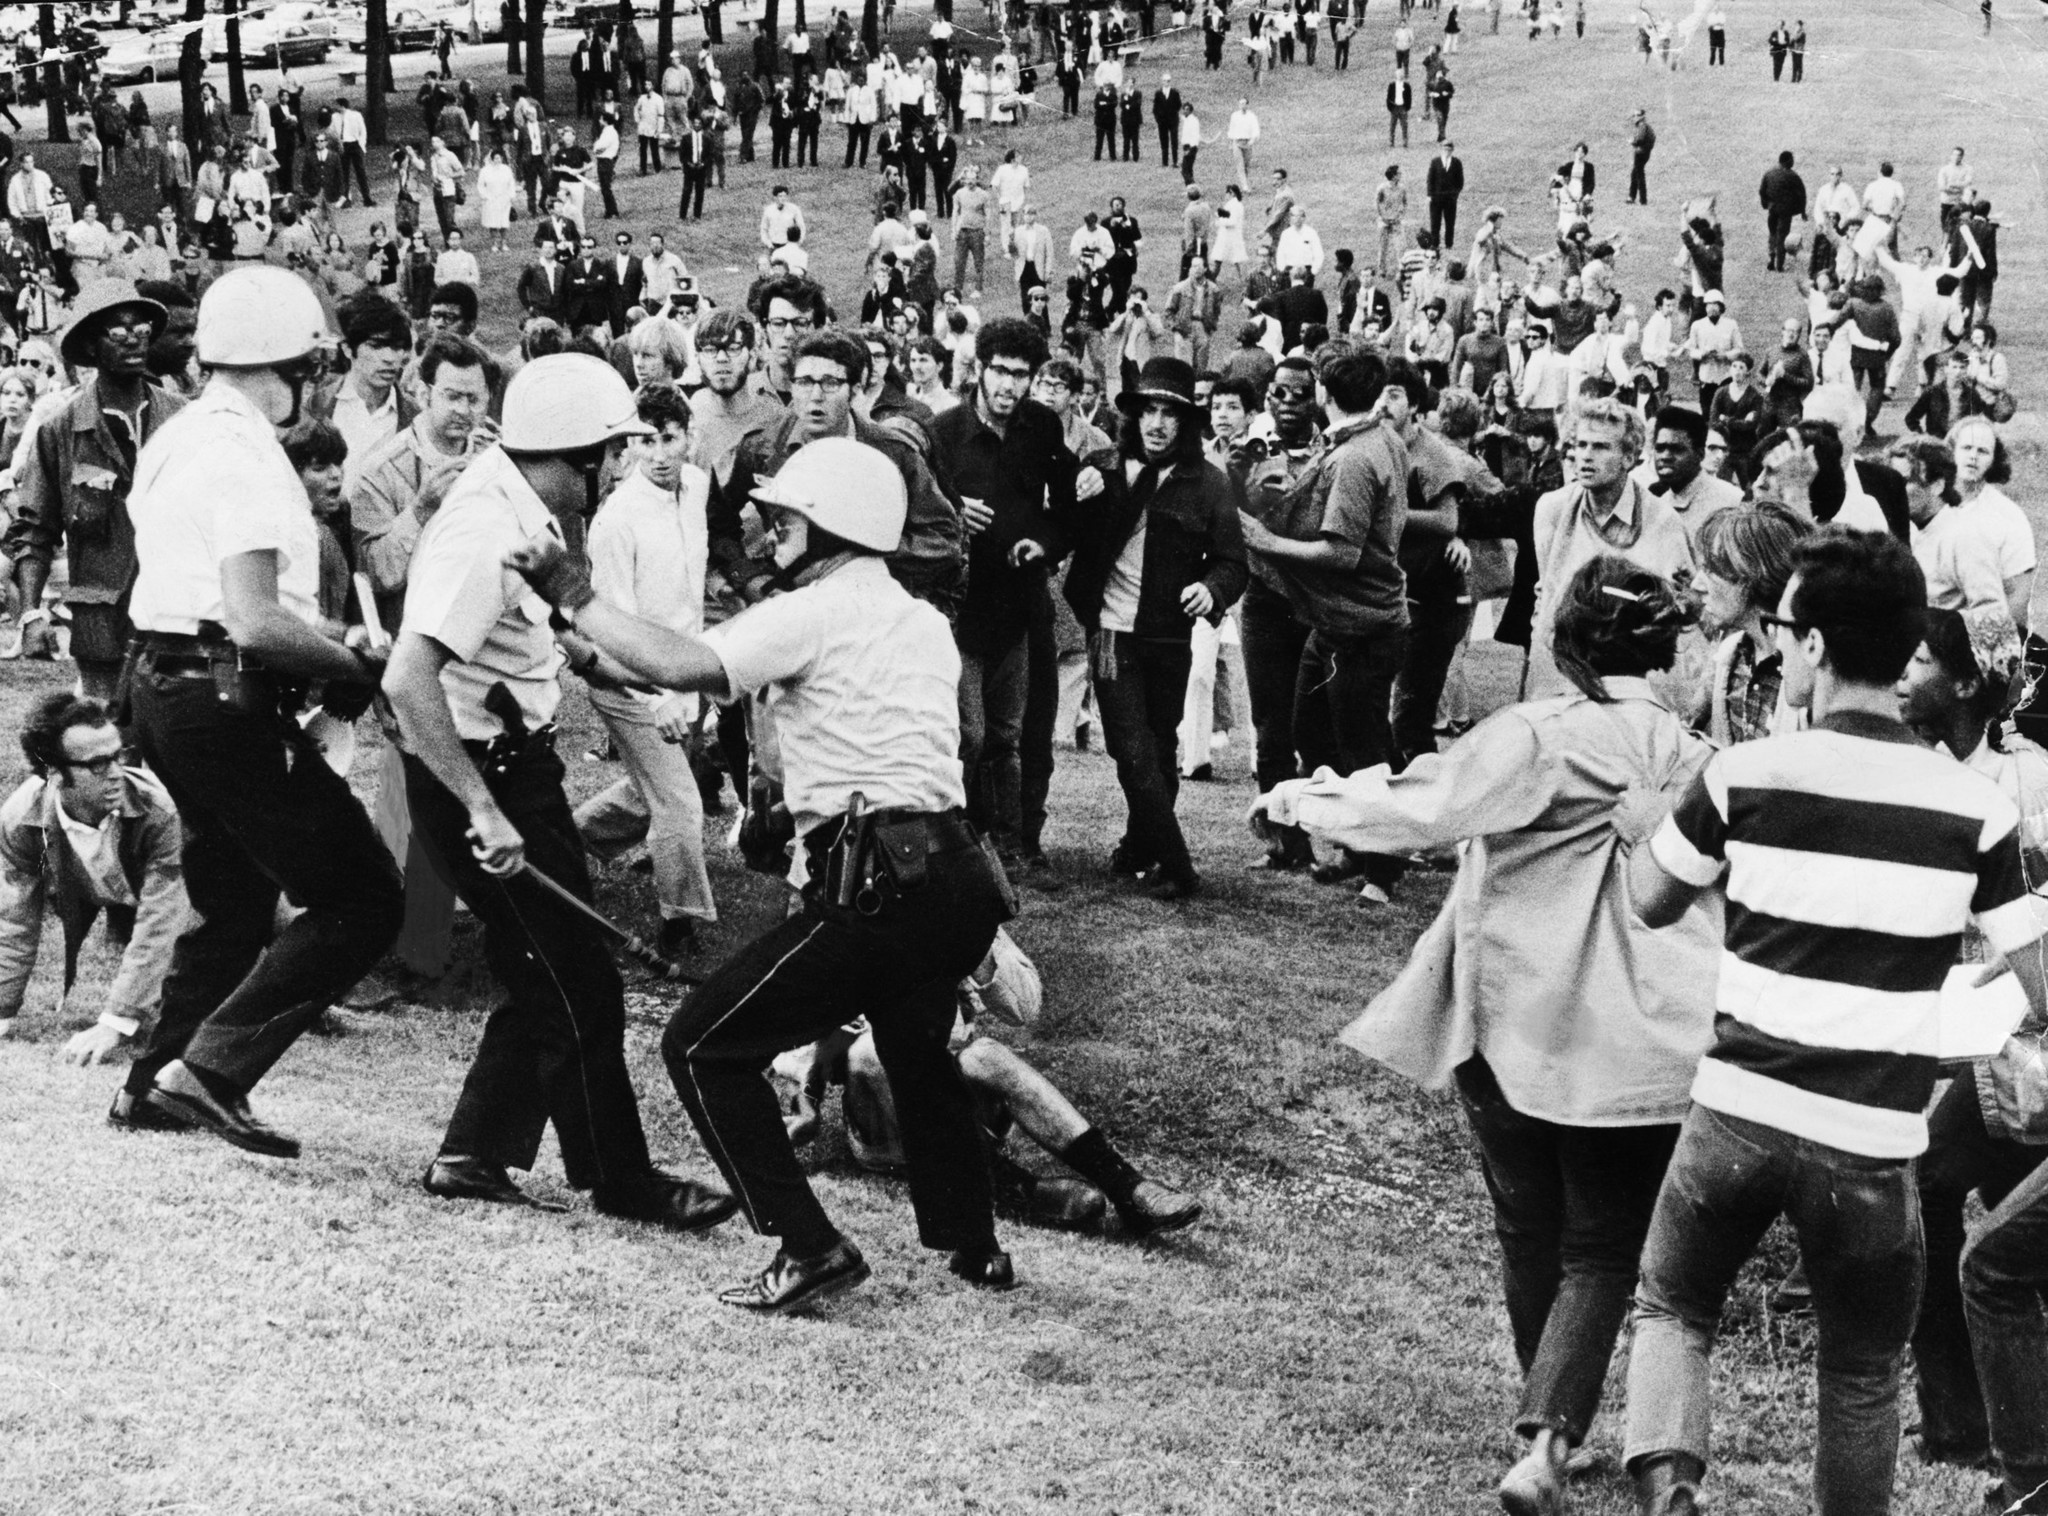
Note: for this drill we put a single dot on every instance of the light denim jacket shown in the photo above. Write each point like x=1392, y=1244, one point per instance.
x=1587, y=1017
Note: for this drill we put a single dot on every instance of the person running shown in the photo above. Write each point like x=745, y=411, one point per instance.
x=1570, y=1029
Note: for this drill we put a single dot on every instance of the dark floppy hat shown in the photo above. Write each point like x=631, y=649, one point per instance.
x=1162, y=379
x=95, y=304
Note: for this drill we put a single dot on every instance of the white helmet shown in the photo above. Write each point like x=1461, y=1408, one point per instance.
x=258, y=317
x=567, y=401
x=846, y=488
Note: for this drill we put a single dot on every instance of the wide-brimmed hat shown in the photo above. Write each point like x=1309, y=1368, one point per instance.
x=95, y=304
x=1161, y=379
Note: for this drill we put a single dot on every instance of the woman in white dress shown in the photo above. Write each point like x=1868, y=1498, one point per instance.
x=1002, y=87
x=1229, y=245
x=974, y=94
x=495, y=186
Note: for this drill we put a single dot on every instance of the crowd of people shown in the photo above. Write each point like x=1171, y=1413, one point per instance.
x=872, y=559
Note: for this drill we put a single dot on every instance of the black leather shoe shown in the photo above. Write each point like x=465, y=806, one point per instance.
x=986, y=1268
x=1064, y=1205
x=1039, y=873
x=1175, y=885
x=792, y=1284
x=681, y=1205
x=677, y=938
x=1125, y=863
x=134, y=1113
x=179, y=1094
x=453, y=1177
x=1155, y=1208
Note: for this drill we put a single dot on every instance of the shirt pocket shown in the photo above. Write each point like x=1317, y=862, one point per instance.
x=95, y=495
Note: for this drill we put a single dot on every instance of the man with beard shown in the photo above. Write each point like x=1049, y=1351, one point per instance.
x=72, y=483
x=1007, y=456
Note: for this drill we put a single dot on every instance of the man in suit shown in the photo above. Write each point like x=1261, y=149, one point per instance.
x=695, y=149
x=1783, y=197
x=1446, y=182
x=1166, y=116
x=541, y=283
x=586, y=289
x=1105, y=121
x=1400, y=101
x=942, y=152
x=628, y=278
x=553, y=231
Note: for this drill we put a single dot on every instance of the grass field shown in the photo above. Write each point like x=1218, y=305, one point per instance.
x=184, y=1328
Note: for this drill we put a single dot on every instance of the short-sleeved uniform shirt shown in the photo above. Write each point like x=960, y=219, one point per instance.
x=461, y=594
x=864, y=684
x=1853, y=859
x=212, y=485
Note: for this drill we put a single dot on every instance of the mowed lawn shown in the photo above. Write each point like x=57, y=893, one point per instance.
x=187, y=1328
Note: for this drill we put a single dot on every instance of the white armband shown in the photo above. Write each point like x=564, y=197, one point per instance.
x=127, y=1026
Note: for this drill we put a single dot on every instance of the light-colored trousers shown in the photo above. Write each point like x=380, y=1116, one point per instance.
x=657, y=801
x=1206, y=647
x=1920, y=333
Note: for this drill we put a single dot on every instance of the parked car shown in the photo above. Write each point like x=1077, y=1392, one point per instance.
x=142, y=58
x=302, y=33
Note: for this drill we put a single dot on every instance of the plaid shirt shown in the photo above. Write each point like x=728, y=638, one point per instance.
x=1752, y=692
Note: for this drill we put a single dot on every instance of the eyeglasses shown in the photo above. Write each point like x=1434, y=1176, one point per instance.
x=779, y=323
x=1773, y=624
x=824, y=384
x=734, y=346
x=99, y=768
x=1009, y=374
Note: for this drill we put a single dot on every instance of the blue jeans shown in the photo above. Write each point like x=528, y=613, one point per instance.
x=1570, y=1207
x=994, y=687
x=1140, y=686
x=2005, y=1270
x=1858, y=1222
x=1961, y=1156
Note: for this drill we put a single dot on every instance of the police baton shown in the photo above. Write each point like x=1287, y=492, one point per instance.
x=634, y=947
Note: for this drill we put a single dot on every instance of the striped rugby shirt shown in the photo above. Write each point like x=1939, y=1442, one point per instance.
x=1854, y=857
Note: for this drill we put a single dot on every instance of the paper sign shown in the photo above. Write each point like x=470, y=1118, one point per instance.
x=1975, y=1021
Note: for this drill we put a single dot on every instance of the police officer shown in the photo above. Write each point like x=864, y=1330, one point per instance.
x=475, y=680
x=901, y=895
x=73, y=479
x=229, y=640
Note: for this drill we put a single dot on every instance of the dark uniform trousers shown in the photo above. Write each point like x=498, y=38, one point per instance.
x=555, y=1049
x=815, y=972
x=263, y=816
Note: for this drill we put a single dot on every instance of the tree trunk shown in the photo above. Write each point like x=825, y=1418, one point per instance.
x=871, y=27
x=238, y=88
x=771, y=23
x=376, y=61
x=536, y=60
x=53, y=74
x=664, y=37
x=191, y=67
x=799, y=15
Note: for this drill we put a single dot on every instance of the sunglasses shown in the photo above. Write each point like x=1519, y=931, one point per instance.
x=99, y=768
